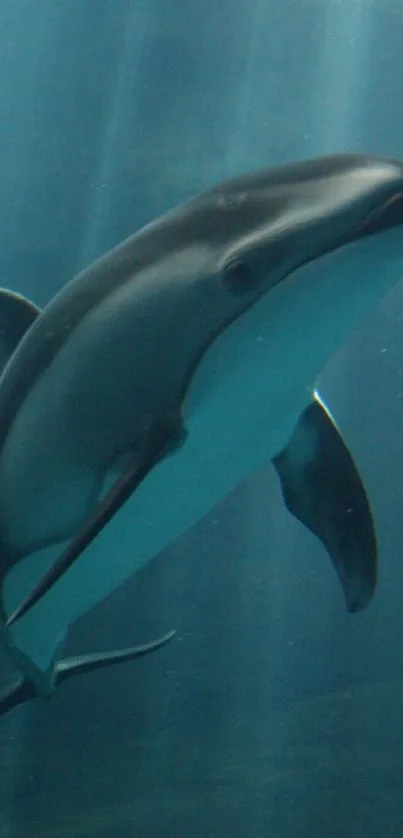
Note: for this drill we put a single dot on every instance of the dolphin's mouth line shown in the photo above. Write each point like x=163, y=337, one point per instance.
x=368, y=226
x=377, y=219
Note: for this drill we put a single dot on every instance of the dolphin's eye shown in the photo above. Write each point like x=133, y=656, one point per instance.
x=238, y=277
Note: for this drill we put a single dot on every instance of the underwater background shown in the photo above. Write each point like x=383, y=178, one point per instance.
x=273, y=712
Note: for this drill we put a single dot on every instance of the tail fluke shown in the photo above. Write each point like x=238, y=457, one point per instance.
x=24, y=689
x=69, y=667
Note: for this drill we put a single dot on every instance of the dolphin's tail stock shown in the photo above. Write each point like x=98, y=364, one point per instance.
x=24, y=689
x=18, y=692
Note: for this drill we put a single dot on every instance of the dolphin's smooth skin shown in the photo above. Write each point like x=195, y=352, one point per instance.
x=170, y=370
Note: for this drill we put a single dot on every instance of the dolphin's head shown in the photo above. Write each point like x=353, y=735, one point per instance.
x=267, y=224
x=294, y=257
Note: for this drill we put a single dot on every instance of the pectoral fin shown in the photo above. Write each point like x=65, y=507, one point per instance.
x=322, y=488
x=115, y=497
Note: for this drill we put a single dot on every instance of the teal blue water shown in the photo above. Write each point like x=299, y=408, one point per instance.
x=273, y=712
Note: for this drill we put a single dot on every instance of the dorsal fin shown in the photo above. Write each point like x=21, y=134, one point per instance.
x=16, y=316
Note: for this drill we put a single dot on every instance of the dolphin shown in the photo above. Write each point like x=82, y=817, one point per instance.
x=171, y=369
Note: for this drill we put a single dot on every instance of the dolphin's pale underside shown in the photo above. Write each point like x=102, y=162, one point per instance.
x=171, y=369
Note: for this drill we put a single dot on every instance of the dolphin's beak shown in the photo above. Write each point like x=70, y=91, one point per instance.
x=388, y=215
